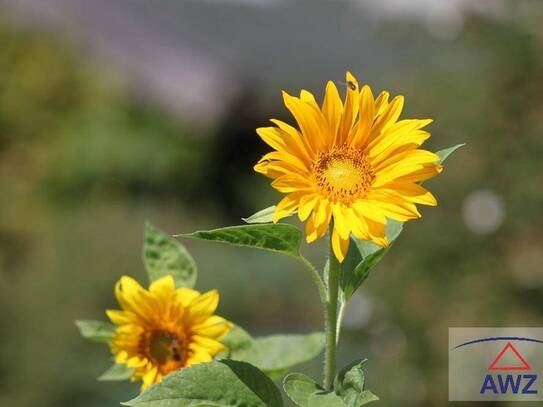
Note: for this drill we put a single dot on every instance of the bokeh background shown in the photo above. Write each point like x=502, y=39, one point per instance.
x=116, y=112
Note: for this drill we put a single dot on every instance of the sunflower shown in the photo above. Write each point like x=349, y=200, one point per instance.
x=164, y=329
x=352, y=162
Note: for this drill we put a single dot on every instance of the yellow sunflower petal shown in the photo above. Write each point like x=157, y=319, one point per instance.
x=149, y=378
x=367, y=209
x=210, y=345
x=340, y=246
x=306, y=206
x=323, y=214
x=394, y=207
x=186, y=295
x=388, y=117
x=367, y=115
x=358, y=225
x=413, y=192
x=377, y=233
x=350, y=111
x=199, y=356
x=214, y=327
x=164, y=286
x=393, y=137
x=332, y=108
x=311, y=124
x=284, y=142
x=135, y=362
x=340, y=221
x=291, y=182
x=121, y=357
x=287, y=206
x=121, y=317
x=301, y=146
x=381, y=103
x=318, y=222
x=306, y=96
x=411, y=161
x=133, y=297
x=203, y=306
x=426, y=172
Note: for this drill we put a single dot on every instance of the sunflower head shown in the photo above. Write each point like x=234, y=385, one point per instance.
x=352, y=161
x=164, y=329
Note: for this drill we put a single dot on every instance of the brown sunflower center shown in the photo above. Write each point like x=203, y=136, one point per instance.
x=166, y=349
x=343, y=174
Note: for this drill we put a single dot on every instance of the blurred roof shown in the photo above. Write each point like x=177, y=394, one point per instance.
x=192, y=56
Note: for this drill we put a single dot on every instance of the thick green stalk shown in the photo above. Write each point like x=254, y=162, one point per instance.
x=331, y=320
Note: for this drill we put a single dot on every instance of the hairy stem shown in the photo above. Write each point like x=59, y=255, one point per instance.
x=331, y=320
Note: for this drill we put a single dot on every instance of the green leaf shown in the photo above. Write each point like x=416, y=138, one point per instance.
x=96, y=331
x=236, y=340
x=221, y=383
x=116, y=372
x=275, y=354
x=443, y=154
x=164, y=256
x=349, y=384
x=304, y=392
x=276, y=374
x=364, y=398
x=280, y=237
x=361, y=258
x=325, y=399
x=355, y=269
x=263, y=216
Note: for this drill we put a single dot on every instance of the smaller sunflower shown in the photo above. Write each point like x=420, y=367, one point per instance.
x=164, y=329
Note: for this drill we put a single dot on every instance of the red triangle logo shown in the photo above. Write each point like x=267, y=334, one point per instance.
x=509, y=349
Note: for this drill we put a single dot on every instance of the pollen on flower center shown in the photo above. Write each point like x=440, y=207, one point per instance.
x=343, y=174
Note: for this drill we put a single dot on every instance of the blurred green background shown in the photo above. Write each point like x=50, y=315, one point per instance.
x=113, y=113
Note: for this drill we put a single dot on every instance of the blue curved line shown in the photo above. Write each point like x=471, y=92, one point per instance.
x=499, y=338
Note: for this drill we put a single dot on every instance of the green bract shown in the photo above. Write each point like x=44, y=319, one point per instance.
x=305, y=392
x=349, y=384
x=263, y=216
x=443, y=154
x=96, y=331
x=348, y=389
x=116, y=372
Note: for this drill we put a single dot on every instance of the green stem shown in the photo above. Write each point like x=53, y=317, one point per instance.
x=316, y=278
x=331, y=320
x=340, y=315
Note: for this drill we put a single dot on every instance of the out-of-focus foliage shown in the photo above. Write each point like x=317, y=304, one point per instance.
x=74, y=148
x=84, y=162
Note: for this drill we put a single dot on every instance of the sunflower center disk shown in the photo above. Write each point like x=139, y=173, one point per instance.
x=343, y=174
x=167, y=350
